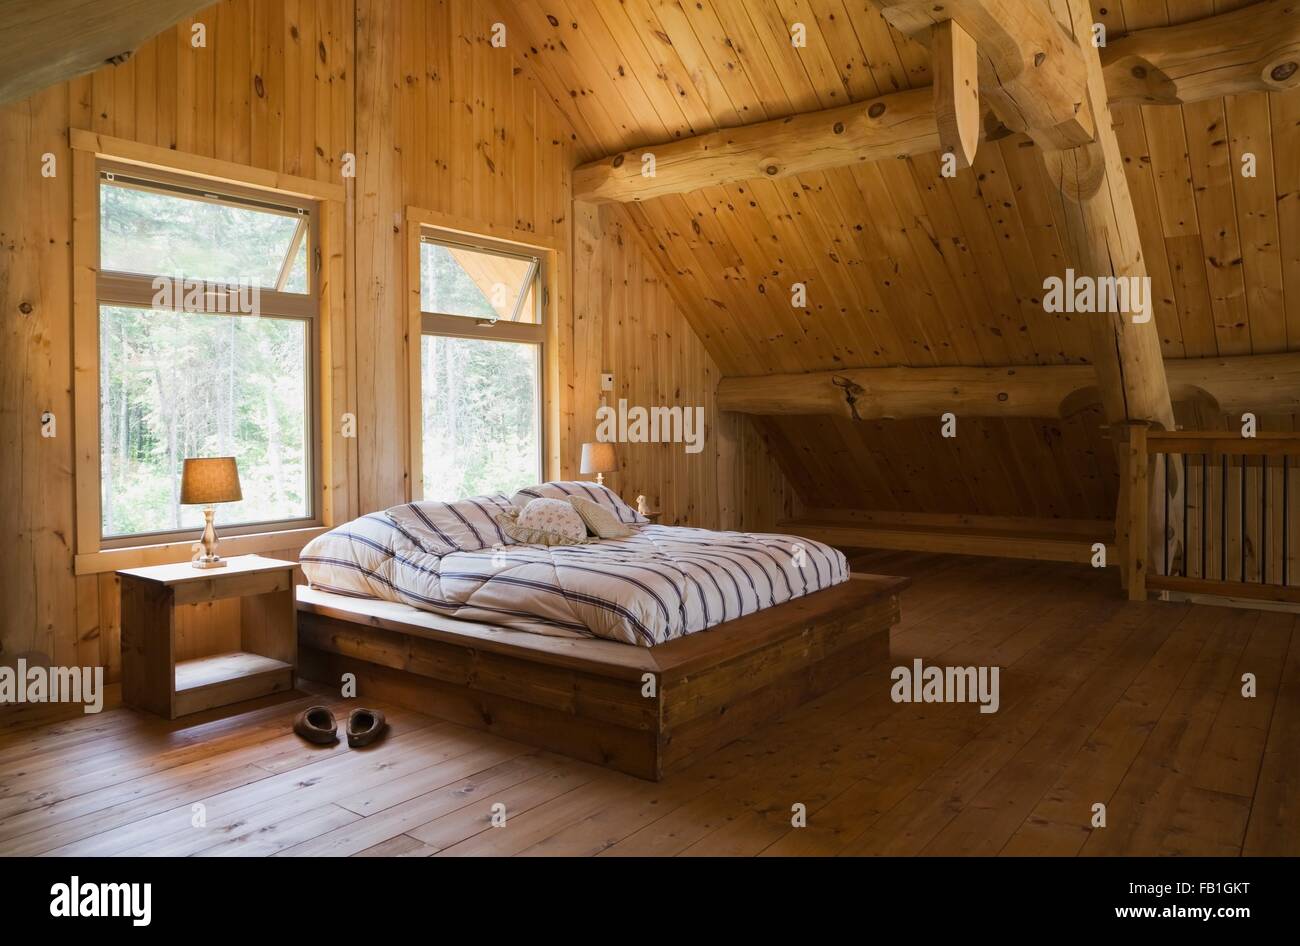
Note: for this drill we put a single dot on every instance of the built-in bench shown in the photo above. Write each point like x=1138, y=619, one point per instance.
x=1051, y=540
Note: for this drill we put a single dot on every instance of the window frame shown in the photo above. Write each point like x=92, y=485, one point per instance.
x=135, y=290
x=332, y=462
x=428, y=227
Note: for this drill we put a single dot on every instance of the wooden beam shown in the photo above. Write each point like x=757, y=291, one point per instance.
x=894, y=125
x=1101, y=240
x=1030, y=391
x=1262, y=384
x=45, y=42
x=1031, y=71
x=1253, y=49
x=956, y=91
x=1206, y=65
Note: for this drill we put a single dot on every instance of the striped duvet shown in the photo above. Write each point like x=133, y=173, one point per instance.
x=662, y=583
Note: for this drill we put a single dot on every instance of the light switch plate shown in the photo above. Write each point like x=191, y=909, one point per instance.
x=607, y=381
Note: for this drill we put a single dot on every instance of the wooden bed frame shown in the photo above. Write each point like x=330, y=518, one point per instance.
x=641, y=710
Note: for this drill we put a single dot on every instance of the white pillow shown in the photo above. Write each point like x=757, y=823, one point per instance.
x=596, y=492
x=554, y=516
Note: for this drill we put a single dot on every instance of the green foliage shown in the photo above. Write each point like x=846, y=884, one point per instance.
x=445, y=287
x=481, y=416
x=176, y=385
x=170, y=235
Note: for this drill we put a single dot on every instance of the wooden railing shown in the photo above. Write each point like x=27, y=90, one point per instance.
x=1217, y=512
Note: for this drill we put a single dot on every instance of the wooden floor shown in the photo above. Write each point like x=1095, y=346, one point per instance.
x=1137, y=706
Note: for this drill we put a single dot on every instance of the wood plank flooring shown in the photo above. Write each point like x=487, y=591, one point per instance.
x=1134, y=706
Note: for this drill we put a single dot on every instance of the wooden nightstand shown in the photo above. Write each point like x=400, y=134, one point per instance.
x=257, y=634
x=653, y=517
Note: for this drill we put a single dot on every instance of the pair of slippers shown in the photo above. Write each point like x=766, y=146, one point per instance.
x=317, y=724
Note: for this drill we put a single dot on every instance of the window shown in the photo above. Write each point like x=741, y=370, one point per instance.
x=480, y=367
x=207, y=316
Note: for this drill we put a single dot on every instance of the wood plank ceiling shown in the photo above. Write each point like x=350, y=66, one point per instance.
x=904, y=267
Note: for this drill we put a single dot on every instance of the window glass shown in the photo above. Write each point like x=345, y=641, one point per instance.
x=176, y=385
x=481, y=416
x=477, y=284
x=159, y=233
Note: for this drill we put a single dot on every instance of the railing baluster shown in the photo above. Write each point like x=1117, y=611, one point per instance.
x=1164, y=531
x=1205, y=532
x=1223, y=523
x=1243, y=517
x=1263, y=520
x=1187, y=552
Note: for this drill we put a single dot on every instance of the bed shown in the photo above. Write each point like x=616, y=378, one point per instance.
x=639, y=653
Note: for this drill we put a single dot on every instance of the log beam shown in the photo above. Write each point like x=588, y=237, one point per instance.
x=1206, y=64
x=1262, y=384
x=894, y=125
x=1253, y=49
x=1031, y=71
x=1101, y=240
x=955, y=64
x=899, y=393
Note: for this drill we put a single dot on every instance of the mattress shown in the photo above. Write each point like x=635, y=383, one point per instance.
x=661, y=583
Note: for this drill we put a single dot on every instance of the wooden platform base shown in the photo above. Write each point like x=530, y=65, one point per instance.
x=639, y=710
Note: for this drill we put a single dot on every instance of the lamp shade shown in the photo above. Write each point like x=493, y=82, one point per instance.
x=210, y=480
x=598, y=458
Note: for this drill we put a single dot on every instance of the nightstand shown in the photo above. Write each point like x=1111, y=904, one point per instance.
x=244, y=614
x=653, y=517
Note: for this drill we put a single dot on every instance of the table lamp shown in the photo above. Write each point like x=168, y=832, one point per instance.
x=598, y=458
x=206, y=481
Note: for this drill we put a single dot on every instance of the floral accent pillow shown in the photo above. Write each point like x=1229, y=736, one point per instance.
x=600, y=520
x=545, y=522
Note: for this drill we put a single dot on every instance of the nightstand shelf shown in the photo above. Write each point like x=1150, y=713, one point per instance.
x=204, y=682
x=259, y=618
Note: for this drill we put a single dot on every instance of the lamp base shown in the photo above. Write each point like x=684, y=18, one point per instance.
x=208, y=558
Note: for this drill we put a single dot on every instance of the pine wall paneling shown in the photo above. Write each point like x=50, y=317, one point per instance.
x=437, y=118
x=627, y=320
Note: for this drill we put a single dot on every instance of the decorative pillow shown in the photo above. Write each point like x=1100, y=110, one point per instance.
x=509, y=523
x=465, y=525
x=600, y=520
x=596, y=492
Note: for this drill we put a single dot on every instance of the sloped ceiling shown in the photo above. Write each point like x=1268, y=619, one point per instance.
x=904, y=267
x=48, y=41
